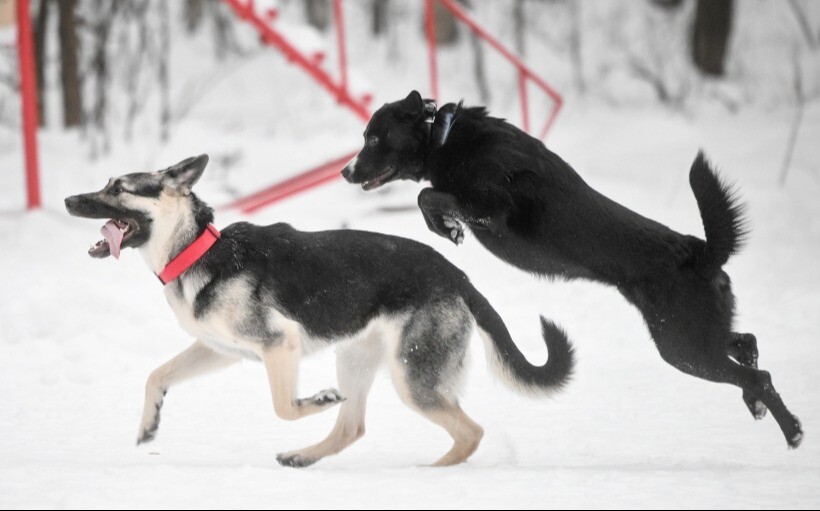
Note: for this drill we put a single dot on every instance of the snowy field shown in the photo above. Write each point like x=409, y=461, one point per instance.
x=78, y=336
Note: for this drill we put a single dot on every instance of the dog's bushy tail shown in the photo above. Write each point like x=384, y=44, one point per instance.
x=722, y=215
x=507, y=361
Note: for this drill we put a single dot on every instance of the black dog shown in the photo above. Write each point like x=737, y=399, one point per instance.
x=530, y=208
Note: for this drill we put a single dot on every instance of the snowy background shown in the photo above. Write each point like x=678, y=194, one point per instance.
x=78, y=337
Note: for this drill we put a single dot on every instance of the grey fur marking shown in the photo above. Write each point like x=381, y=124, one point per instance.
x=433, y=347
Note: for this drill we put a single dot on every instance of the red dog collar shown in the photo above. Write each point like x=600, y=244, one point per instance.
x=190, y=255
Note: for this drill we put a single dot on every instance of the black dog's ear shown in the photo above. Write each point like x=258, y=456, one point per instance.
x=184, y=175
x=413, y=101
x=412, y=107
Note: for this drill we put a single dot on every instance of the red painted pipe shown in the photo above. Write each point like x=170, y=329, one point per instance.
x=301, y=182
x=340, y=41
x=525, y=108
x=28, y=96
x=430, y=28
x=273, y=37
x=524, y=71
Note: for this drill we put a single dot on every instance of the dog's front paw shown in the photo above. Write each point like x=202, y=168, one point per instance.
x=294, y=461
x=327, y=397
x=455, y=230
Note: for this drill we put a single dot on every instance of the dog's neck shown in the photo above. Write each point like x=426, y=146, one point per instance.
x=179, y=223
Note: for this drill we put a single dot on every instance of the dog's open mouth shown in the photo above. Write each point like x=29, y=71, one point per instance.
x=379, y=180
x=115, y=232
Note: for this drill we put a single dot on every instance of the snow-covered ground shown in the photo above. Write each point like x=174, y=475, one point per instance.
x=78, y=336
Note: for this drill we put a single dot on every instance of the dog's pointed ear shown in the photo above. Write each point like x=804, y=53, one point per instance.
x=413, y=101
x=184, y=175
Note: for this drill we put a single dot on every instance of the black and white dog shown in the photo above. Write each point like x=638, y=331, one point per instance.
x=274, y=293
x=531, y=209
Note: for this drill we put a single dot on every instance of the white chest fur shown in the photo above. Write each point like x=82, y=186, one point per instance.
x=219, y=326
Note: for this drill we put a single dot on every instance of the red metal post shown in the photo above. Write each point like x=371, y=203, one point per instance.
x=340, y=39
x=28, y=95
x=430, y=28
x=525, y=73
x=302, y=182
x=525, y=108
x=274, y=37
x=558, y=104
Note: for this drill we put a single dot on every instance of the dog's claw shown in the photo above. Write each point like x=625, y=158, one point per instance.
x=323, y=398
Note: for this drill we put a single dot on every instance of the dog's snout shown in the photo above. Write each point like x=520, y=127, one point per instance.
x=71, y=202
x=349, y=169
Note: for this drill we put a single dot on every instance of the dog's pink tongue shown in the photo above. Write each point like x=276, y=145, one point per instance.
x=113, y=235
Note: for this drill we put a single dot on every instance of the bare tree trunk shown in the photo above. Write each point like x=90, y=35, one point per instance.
x=193, y=13
x=710, y=37
x=163, y=78
x=446, y=26
x=800, y=103
x=136, y=12
x=479, y=69
x=380, y=11
x=520, y=26
x=105, y=11
x=803, y=22
x=224, y=37
x=40, y=43
x=317, y=13
x=69, y=66
x=575, y=47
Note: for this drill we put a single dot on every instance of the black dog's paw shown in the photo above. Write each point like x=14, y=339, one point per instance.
x=454, y=229
x=797, y=437
x=294, y=461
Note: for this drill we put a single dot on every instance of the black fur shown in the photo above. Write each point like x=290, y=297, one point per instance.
x=531, y=209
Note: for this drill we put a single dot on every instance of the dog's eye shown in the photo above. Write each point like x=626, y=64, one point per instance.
x=373, y=141
x=115, y=191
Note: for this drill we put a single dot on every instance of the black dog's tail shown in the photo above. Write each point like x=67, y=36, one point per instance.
x=509, y=364
x=722, y=215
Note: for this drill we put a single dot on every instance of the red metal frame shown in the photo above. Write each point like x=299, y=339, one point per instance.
x=525, y=73
x=271, y=36
x=330, y=171
x=338, y=13
x=28, y=97
x=305, y=181
x=430, y=29
x=310, y=64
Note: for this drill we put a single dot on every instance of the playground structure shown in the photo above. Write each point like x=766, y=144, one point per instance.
x=262, y=16
x=263, y=19
x=28, y=101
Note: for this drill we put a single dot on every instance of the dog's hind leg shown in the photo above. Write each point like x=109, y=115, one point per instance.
x=356, y=366
x=198, y=359
x=466, y=434
x=718, y=367
x=444, y=215
x=427, y=366
x=743, y=348
x=282, y=365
